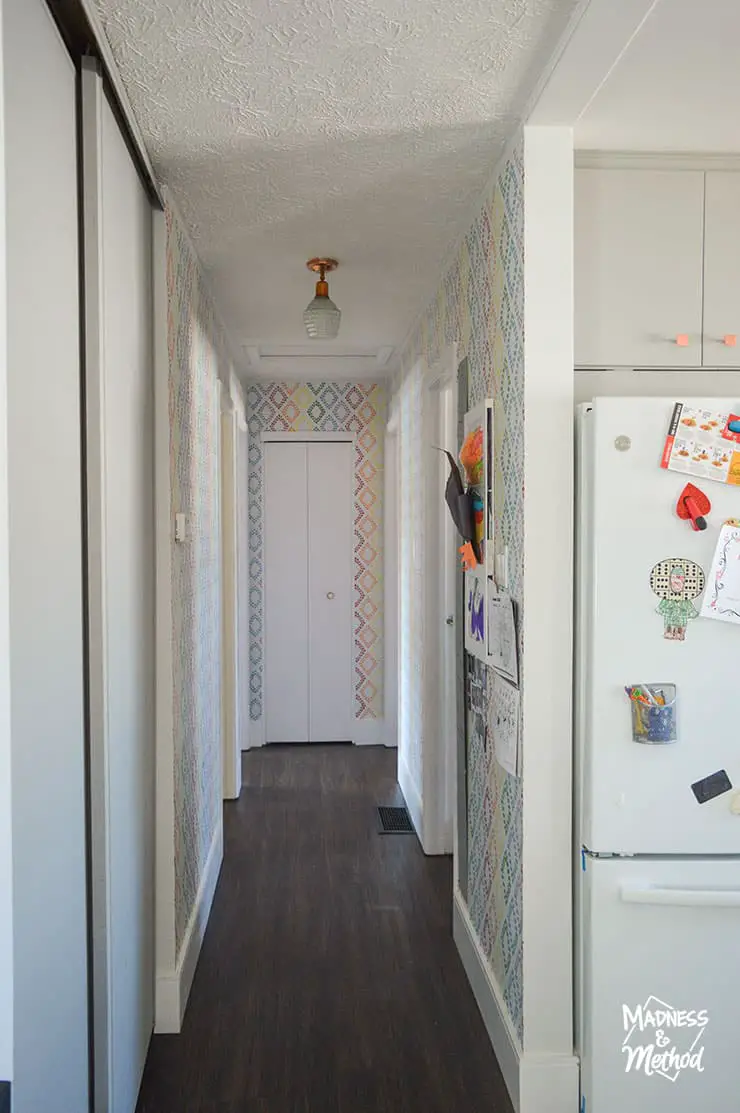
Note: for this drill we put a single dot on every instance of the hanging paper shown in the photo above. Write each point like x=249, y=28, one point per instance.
x=505, y=715
x=502, y=640
x=475, y=614
x=676, y=581
x=722, y=599
x=703, y=442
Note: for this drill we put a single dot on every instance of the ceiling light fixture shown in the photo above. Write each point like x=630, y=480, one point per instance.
x=321, y=316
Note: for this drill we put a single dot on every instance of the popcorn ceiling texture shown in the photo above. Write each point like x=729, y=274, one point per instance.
x=196, y=349
x=479, y=305
x=365, y=130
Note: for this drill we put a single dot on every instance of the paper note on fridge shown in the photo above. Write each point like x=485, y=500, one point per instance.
x=502, y=648
x=722, y=597
x=506, y=700
x=703, y=442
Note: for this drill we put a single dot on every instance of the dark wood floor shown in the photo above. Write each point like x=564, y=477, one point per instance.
x=328, y=980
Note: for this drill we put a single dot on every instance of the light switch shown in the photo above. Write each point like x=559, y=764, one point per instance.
x=181, y=527
x=501, y=569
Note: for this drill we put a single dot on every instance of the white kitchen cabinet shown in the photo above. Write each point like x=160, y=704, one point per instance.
x=722, y=269
x=638, y=267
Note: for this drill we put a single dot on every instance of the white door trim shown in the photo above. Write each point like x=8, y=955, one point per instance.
x=231, y=743
x=438, y=758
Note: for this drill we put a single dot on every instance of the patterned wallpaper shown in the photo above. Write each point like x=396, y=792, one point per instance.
x=195, y=349
x=326, y=407
x=480, y=305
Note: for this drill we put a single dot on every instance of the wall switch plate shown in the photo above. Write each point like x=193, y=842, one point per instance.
x=181, y=527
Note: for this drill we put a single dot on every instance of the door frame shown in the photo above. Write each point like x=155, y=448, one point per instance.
x=440, y=757
x=229, y=476
x=297, y=436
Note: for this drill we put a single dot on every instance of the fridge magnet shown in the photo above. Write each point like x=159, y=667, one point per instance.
x=693, y=506
x=735, y=804
x=676, y=581
x=502, y=640
x=710, y=787
x=703, y=442
x=475, y=614
x=505, y=717
x=722, y=600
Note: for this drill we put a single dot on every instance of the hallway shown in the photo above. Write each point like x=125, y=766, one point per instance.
x=328, y=981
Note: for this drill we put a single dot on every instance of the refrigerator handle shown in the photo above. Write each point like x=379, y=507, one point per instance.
x=702, y=898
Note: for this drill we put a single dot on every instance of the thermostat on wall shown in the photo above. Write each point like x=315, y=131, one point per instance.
x=181, y=527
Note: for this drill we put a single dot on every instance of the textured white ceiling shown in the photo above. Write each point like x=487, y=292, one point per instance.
x=362, y=129
x=675, y=88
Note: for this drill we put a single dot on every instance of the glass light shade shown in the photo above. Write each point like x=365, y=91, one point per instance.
x=321, y=318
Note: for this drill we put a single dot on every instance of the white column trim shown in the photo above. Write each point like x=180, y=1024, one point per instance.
x=547, y=976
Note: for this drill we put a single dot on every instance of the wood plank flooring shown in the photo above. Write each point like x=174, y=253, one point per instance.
x=328, y=980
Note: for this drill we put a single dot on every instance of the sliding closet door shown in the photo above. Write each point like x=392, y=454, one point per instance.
x=46, y=570
x=330, y=591
x=286, y=592
x=120, y=433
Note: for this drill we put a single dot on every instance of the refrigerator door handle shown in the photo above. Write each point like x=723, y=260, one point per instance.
x=706, y=898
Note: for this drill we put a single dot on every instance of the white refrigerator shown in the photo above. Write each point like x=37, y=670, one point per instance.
x=657, y=823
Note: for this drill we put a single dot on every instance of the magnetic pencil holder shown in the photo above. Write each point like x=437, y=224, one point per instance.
x=653, y=709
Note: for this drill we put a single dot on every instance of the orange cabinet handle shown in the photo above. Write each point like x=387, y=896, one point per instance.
x=730, y=340
x=682, y=340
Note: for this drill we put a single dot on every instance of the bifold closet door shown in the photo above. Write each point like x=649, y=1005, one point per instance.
x=44, y=427
x=286, y=592
x=308, y=591
x=330, y=647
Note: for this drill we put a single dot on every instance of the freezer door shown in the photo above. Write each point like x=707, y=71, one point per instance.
x=638, y=798
x=658, y=1023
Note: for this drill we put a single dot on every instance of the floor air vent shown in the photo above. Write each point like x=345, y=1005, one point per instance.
x=395, y=821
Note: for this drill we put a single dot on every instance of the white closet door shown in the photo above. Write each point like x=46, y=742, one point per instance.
x=45, y=525
x=286, y=592
x=120, y=438
x=330, y=478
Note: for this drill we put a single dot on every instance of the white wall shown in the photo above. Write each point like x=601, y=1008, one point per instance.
x=6, y=865
x=119, y=395
x=46, y=615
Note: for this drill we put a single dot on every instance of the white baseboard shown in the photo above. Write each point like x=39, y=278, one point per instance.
x=368, y=732
x=411, y=794
x=549, y=1083
x=255, y=734
x=489, y=999
x=173, y=987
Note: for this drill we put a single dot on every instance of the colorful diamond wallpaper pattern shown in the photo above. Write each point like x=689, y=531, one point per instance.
x=480, y=306
x=195, y=349
x=328, y=407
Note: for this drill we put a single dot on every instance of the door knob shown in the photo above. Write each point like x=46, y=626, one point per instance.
x=330, y=595
x=449, y=620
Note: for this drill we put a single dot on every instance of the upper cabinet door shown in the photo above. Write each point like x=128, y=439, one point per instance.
x=638, y=267
x=722, y=270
